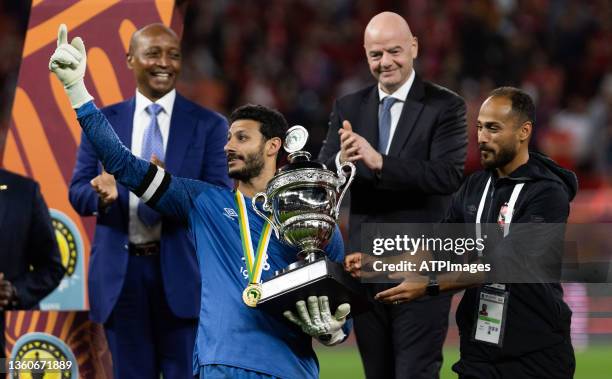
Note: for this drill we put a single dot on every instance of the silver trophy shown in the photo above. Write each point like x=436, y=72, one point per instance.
x=304, y=200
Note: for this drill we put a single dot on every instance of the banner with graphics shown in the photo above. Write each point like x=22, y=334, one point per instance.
x=42, y=142
x=55, y=345
x=44, y=135
x=70, y=294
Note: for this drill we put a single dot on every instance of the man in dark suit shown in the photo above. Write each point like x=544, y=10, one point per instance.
x=408, y=139
x=30, y=262
x=144, y=283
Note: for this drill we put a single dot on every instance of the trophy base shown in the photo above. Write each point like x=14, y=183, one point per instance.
x=320, y=277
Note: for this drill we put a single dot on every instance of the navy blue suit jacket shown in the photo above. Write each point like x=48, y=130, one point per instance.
x=29, y=255
x=194, y=150
x=423, y=167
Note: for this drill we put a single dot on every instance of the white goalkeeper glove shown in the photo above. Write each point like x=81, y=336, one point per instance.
x=317, y=321
x=68, y=63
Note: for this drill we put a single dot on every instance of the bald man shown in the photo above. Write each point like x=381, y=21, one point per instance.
x=408, y=139
x=144, y=282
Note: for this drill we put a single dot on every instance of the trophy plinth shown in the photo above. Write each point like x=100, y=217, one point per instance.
x=315, y=278
x=304, y=200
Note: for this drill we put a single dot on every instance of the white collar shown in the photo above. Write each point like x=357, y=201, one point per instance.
x=166, y=101
x=402, y=92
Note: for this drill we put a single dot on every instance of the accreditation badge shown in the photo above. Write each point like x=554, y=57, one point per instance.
x=491, y=314
x=252, y=294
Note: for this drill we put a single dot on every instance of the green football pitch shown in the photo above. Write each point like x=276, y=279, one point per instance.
x=344, y=363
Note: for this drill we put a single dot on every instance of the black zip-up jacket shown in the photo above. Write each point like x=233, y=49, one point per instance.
x=537, y=317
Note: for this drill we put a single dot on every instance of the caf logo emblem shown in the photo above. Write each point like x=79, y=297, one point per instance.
x=68, y=240
x=41, y=355
x=252, y=294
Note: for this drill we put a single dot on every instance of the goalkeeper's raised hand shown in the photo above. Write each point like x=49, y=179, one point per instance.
x=316, y=319
x=68, y=63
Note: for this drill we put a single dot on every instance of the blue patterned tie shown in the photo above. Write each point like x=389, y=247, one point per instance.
x=384, y=123
x=152, y=143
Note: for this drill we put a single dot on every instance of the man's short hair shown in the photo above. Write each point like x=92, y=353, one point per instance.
x=146, y=29
x=273, y=123
x=522, y=103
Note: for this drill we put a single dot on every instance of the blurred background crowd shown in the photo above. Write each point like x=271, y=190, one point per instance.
x=299, y=55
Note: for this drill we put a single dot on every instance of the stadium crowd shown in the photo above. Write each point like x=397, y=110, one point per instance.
x=298, y=56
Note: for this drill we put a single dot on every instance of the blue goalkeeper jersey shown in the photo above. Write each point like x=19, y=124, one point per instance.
x=229, y=332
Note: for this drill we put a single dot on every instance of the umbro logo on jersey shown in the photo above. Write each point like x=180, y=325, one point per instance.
x=230, y=213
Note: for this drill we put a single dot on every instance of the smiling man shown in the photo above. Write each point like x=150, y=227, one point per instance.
x=154, y=56
x=144, y=282
x=408, y=139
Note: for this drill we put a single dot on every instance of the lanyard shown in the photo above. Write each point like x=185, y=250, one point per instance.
x=510, y=210
x=252, y=259
x=493, y=297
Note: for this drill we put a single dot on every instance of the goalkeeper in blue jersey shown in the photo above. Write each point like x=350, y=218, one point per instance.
x=234, y=340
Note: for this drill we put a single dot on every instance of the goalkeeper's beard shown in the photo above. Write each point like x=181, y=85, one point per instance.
x=253, y=166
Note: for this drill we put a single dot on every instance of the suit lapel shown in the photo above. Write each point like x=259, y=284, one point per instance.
x=122, y=120
x=410, y=113
x=181, y=129
x=368, y=126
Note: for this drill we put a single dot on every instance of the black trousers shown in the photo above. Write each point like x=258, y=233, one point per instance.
x=403, y=341
x=556, y=362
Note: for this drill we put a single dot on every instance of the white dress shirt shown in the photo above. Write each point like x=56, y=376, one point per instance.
x=138, y=232
x=396, y=109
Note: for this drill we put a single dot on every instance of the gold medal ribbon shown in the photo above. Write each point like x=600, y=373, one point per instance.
x=253, y=259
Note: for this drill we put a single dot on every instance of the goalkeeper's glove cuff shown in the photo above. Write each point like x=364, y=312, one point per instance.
x=332, y=339
x=77, y=93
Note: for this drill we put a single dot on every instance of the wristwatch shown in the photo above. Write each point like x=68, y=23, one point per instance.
x=433, y=288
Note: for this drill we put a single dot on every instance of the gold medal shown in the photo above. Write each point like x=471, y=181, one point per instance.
x=252, y=294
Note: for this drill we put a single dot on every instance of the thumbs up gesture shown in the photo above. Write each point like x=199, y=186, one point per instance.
x=68, y=63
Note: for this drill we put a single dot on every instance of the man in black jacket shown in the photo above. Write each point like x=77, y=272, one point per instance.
x=30, y=262
x=408, y=140
x=530, y=335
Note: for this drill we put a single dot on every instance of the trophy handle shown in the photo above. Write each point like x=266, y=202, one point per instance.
x=267, y=208
x=345, y=180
